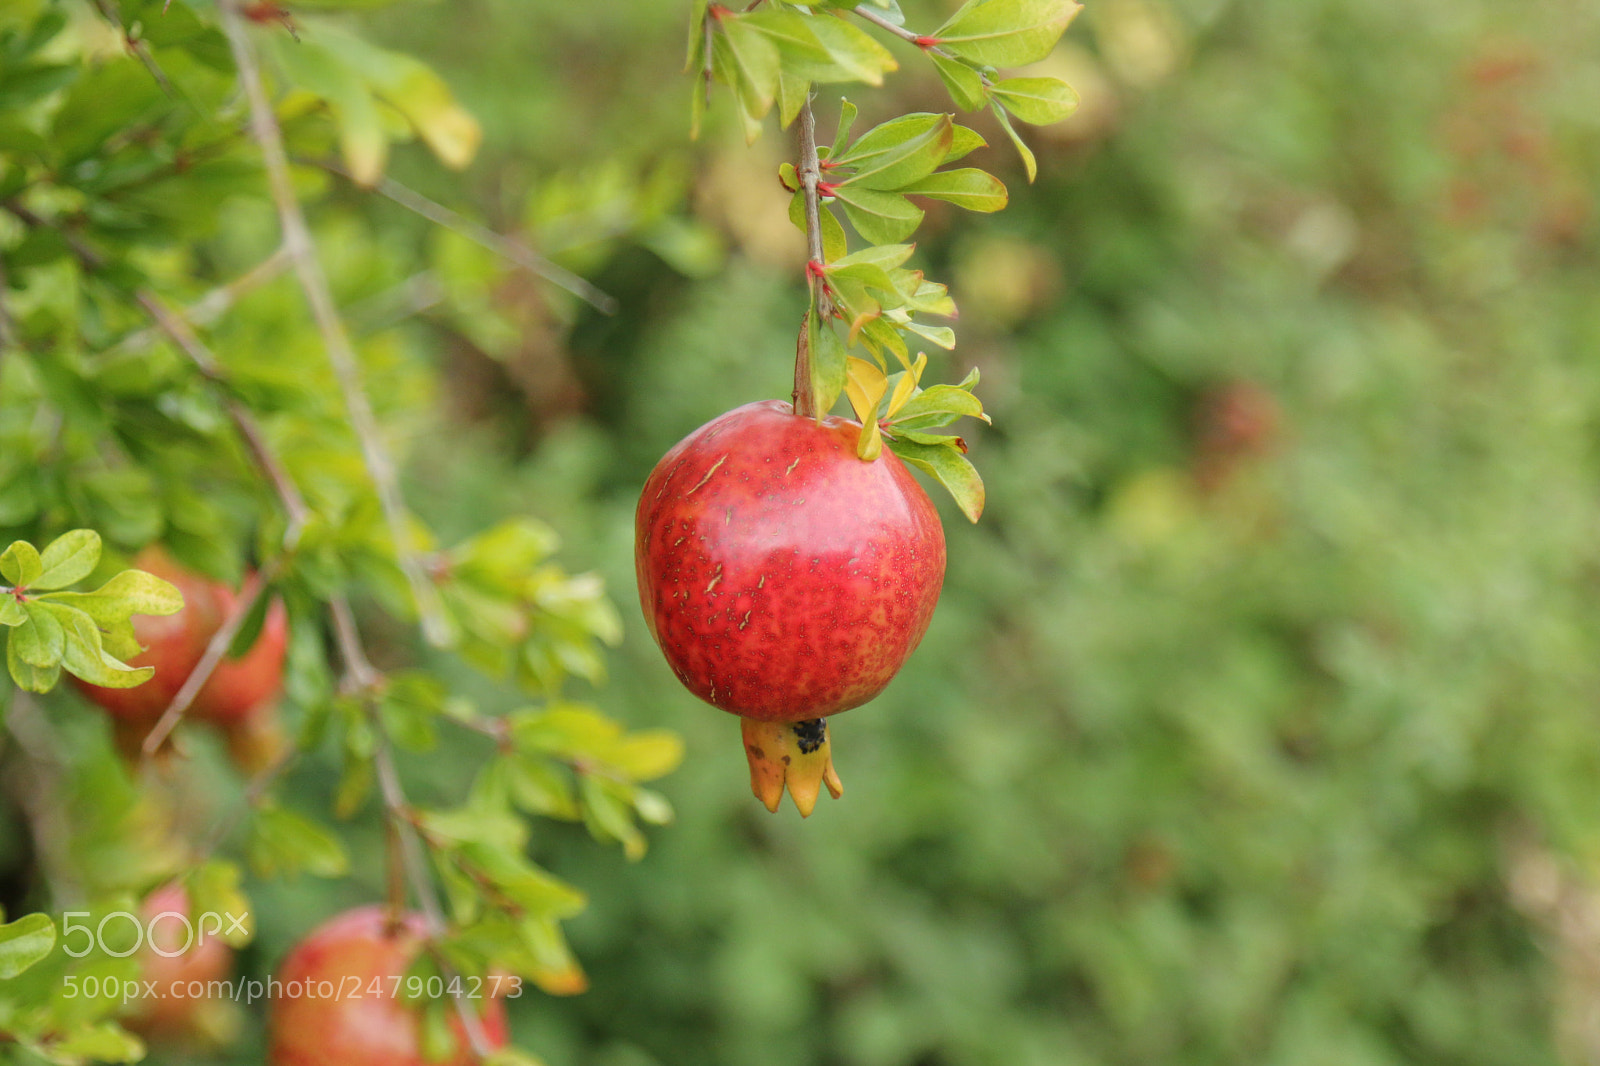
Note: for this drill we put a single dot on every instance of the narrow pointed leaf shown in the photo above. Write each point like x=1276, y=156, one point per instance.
x=968, y=187
x=1028, y=162
x=847, y=118
x=913, y=159
x=938, y=405
x=950, y=468
x=964, y=84
x=943, y=336
x=1039, y=101
x=880, y=217
x=828, y=362
x=865, y=386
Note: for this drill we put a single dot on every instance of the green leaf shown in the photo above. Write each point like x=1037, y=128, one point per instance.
x=102, y=1042
x=1028, y=162
x=748, y=61
x=964, y=84
x=853, y=51
x=834, y=244
x=822, y=49
x=538, y=786
x=407, y=85
x=943, y=336
x=20, y=564
x=569, y=730
x=793, y=91
x=11, y=612
x=827, y=363
x=909, y=161
x=40, y=641
x=1006, y=33
x=311, y=65
x=28, y=677
x=646, y=755
x=69, y=558
x=947, y=466
x=938, y=405
x=880, y=217
x=847, y=118
x=608, y=813
x=967, y=187
x=84, y=653
x=963, y=143
x=865, y=273
x=552, y=965
x=1039, y=101
x=284, y=843
x=887, y=256
x=26, y=941
x=520, y=881
x=130, y=592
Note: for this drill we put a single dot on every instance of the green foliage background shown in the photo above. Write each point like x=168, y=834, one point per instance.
x=1275, y=745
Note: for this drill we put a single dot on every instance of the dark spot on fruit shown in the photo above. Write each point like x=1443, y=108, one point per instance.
x=811, y=734
x=757, y=752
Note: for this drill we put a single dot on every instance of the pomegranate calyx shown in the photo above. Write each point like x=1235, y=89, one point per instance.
x=798, y=755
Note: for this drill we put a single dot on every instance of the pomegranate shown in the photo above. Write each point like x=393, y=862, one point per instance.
x=785, y=580
x=239, y=694
x=179, y=962
x=338, y=998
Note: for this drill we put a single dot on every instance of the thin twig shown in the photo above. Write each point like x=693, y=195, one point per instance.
x=810, y=177
x=212, y=306
x=218, y=647
x=924, y=43
x=137, y=47
x=297, y=240
x=362, y=677
x=501, y=245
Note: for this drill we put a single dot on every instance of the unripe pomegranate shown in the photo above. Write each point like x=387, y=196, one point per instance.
x=350, y=1009
x=179, y=962
x=173, y=643
x=238, y=695
x=785, y=579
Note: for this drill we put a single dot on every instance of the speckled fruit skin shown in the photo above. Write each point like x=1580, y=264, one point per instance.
x=784, y=577
x=350, y=951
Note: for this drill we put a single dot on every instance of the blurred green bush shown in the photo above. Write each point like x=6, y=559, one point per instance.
x=1258, y=724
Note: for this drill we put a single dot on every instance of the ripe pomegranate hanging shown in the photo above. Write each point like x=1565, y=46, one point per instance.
x=786, y=579
x=342, y=1002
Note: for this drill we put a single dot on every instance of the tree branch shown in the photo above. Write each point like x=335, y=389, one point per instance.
x=810, y=177
x=501, y=245
x=362, y=677
x=215, y=303
x=302, y=252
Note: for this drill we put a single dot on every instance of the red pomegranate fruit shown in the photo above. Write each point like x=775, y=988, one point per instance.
x=358, y=959
x=180, y=961
x=785, y=579
x=237, y=697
